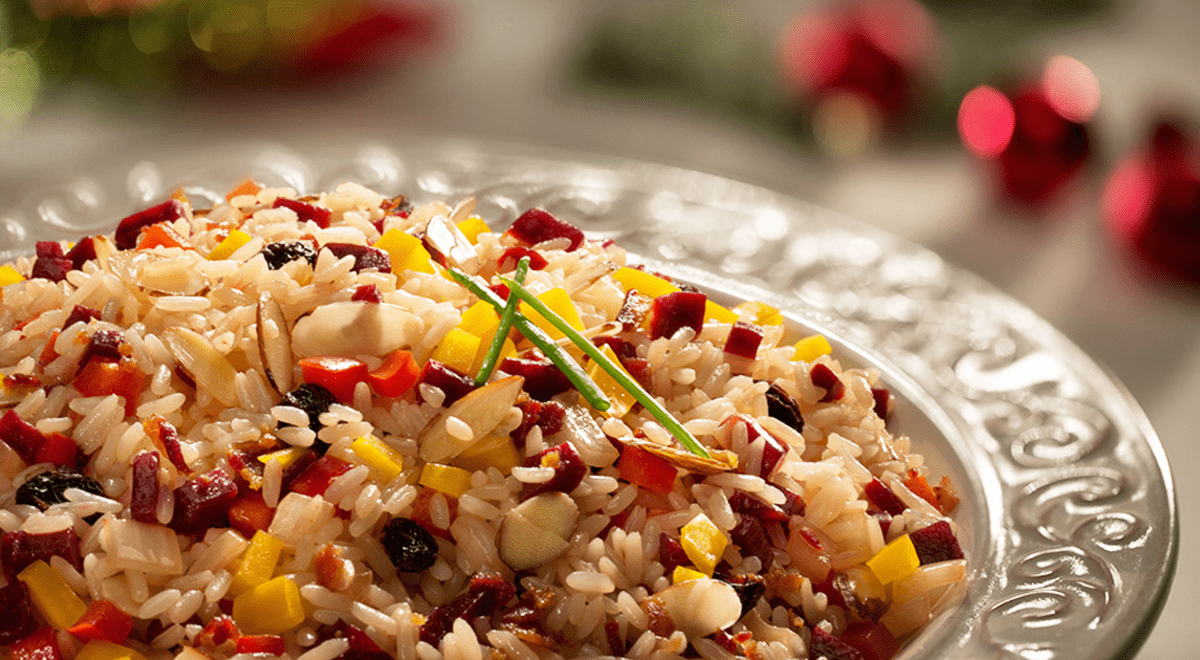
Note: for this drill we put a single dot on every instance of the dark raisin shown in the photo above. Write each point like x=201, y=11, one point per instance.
x=282, y=253
x=312, y=399
x=408, y=545
x=784, y=408
x=48, y=487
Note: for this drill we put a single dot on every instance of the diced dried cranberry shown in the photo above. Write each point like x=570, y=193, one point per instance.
x=743, y=340
x=823, y=377
x=362, y=647
x=671, y=553
x=883, y=498
x=143, y=501
x=634, y=310
x=883, y=402
x=749, y=505
x=621, y=348
x=81, y=313
x=54, y=269
x=17, y=618
x=367, y=293
x=673, y=311
x=51, y=249
x=538, y=225
x=166, y=438
x=83, y=252
x=750, y=537
x=784, y=408
x=640, y=369
x=569, y=470
x=23, y=437
x=59, y=450
x=365, y=257
x=935, y=543
x=261, y=645
x=130, y=229
x=106, y=345
x=315, y=479
x=203, y=502
x=20, y=549
x=508, y=260
x=306, y=212
x=547, y=416
x=453, y=384
x=542, y=378
x=485, y=594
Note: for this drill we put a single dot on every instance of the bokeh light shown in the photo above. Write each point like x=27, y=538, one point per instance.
x=986, y=121
x=1071, y=88
x=19, y=85
x=846, y=124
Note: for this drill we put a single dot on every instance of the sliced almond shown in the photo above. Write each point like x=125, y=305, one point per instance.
x=203, y=363
x=702, y=606
x=536, y=531
x=482, y=409
x=443, y=238
x=275, y=344
x=353, y=328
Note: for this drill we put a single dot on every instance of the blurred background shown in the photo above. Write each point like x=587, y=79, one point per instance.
x=1049, y=146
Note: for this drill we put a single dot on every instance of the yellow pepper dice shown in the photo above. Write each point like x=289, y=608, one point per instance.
x=683, y=574
x=102, y=649
x=482, y=321
x=379, y=456
x=232, y=243
x=457, y=350
x=703, y=542
x=472, y=227
x=559, y=302
x=500, y=453
x=258, y=563
x=811, y=348
x=715, y=312
x=646, y=284
x=271, y=608
x=896, y=561
x=286, y=457
x=9, y=275
x=759, y=313
x=406, y=252
x=446, y=478
x=622, y=400
x=51, y=595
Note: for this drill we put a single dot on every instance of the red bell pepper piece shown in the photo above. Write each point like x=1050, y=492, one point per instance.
x=641, y=468
x=39, y=645
x=59, y=450
x=161, y=235
x=315, y=479
x=103, y=377
x=265, y=644
x=339, y=375
x=103, y=620
x=23, y=437
x=250, y=513
x=398, y=373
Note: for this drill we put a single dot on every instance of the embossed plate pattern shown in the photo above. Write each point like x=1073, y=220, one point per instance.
x=1069, y=514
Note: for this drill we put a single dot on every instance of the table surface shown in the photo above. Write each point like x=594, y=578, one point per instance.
x=502, y=77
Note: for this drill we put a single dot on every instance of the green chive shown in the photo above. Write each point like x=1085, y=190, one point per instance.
x=506, y=321
x=615, y=371
x=557, y=354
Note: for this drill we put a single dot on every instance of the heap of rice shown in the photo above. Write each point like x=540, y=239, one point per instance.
x=838, y=566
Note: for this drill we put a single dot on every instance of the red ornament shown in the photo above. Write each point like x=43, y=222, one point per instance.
x=1038, y=136
x=1152, y=201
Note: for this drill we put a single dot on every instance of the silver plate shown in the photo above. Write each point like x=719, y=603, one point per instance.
x=1068, y=511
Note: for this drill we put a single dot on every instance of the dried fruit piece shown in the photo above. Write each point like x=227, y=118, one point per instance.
x=409, y=546
x=47, y=488
x=282, y=253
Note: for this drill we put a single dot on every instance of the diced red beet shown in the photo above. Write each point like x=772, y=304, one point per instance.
x=773, y=450
x=83, y=252
x=81, y=313
x=38, y=645
x=364, y=256
x=203, y=502
x=143, y=499
x=315, y=479
x=672, y=311
x=130, y=229
x=743, y=340
x=537, y=225
x=751, y=539
x=367, y=293
x=453, y=384
x=883, y=498
x=362, y=647
x=634, y=310
x=883, y=402
x=23, y=437
x=873, y=640
x=19, y=549
x=542, y=379
x=823, y=377
x=749, y=505
x=51, y=249
x=508, y=260
x=54, y=269
x=671, y=553
x=935, y=543
x=569, y=470
x=486, y=593
x=17, y=618
x=164, y=436
x=640, y=369
x=832, y=648
x=305, y=211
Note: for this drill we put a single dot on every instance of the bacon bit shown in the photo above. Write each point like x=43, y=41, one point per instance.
x=248, y=186
x=947, y=496
x=164, y=436
x=660, y=621
x=917, y=484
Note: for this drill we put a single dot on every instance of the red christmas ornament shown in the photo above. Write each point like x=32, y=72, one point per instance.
x=1038, y=136
x=1152, y=201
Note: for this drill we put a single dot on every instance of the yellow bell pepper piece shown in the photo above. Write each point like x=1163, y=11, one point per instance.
x=896, y=561
x=257, y=564
x=703, y=542
x=472, y=227
x=51, y=595
x=406, y=252
x=232, y=243
x=446, y=478
x=271, y=608
x=479, y=319
x=646, y=284
x=759, y=313
x=501, y=454
x=620, y=398
x=286, y=457
x=379, y=456
x=715, y=312
x=9, y=275
x=559, y=302
x=683, y=574
x=457, y=350
x=811, y=348
x=102, y=649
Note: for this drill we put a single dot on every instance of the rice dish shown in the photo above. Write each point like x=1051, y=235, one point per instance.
x=255, y=430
